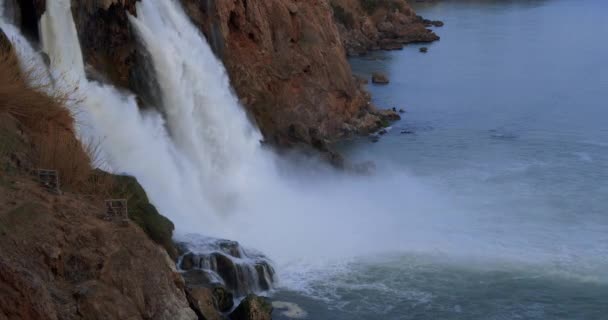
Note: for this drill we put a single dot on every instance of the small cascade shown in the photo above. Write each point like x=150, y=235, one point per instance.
x=210, y=261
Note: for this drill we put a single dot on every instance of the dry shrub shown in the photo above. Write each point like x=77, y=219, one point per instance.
x=45, y=120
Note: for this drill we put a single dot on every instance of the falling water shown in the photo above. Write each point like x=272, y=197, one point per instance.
x=203, y=115
x=202, y=166
x=139, y=144
x=133, y=142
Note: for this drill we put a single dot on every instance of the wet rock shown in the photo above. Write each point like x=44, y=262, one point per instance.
x=388, y=115
x=379, y=78
x=223, y=298
x=407, y=131
x=382, y=132
x=200, y=278
x=401, y=111
x=423, y=49
x=187, y=262
x=225, y=262
x=253, y=308
x=374, y=138
x=203, y=302
x=437, y=23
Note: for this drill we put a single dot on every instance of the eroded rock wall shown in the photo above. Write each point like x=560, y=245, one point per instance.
x=287, y=64
x=60, y=260
x=378, y=24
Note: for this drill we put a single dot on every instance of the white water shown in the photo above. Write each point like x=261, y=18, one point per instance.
x=132, y=142
x=203, y=115
x=209, y=175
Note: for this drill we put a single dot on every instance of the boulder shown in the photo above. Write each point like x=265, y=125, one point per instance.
x=388, y=115
x=253, y=308
x=423, y=49
x=187, y=262
x=379, y=78
x=223, y=298
x=437, y=23
x=202, y=301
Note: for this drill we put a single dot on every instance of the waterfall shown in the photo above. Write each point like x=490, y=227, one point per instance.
x=204, y=117
x=185, y=164
x=131, y=141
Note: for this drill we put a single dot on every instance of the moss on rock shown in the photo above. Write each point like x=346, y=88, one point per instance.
x=141, y=211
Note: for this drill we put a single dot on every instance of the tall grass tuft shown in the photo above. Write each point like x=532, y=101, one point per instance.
x=44, y=119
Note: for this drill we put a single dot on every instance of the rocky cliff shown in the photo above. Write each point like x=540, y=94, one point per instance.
x=285, y=59
x=60, y=255
x=379, y=24
x=287, y=64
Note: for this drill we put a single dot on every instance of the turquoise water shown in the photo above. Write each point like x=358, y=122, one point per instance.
x=507, y=116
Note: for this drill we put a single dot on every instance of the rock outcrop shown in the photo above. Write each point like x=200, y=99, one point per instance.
x=287, y=64
x=285, y=59
x=61, y=261
x=253, y=308
x=379, y=24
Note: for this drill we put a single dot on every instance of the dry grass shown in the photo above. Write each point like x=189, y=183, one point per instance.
x=45, y=120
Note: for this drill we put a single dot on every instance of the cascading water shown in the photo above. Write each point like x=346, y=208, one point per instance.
x=203, y=115
x=203, y=167
x=173, y=169
x=132, y=142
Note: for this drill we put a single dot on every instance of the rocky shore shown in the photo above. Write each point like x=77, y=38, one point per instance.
x=380, y=25
x=287, y=60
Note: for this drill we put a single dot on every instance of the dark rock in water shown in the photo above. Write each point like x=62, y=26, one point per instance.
x=374, y=138
x=230, y=248
x=226, y=262
x=253, y=308
x=437, y=23
x=401, y=111
x=379, y=78
x=424, y=49
x=394, y=109
x=203, y=303
x=382, y=132
x=223, y=298
x=407, y=131
x=187, y=262
x=388, y=115
x=201, y=278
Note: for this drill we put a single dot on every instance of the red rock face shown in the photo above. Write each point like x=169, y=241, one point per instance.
x=388, y=25
x=106, y=38
x=287, y=64
x=285, y=58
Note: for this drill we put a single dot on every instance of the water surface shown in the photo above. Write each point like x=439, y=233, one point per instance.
x=507, y=117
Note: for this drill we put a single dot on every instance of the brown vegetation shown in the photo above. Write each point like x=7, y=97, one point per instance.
x=45, y=121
